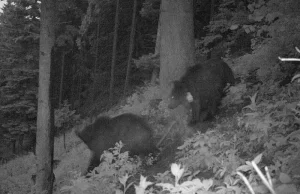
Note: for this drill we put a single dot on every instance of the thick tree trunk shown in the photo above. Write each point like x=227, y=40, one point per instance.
x=45, y=117
x=177, y=41
x=131, y=45
x=114, y=53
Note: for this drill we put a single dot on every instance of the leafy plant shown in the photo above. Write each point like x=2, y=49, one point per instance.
x=189, y=186
x=148, y=62
x=65, y=117
x=105, y=178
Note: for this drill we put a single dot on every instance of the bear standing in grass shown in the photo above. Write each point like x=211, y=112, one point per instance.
x=132, y=130
x=202, y=88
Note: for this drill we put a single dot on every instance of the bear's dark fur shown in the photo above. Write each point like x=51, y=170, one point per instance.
x=202, y=89
x=132, y=130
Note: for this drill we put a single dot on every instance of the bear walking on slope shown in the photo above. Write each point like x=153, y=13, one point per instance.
x=132, y=130
x=201, y=89
x=221, y=69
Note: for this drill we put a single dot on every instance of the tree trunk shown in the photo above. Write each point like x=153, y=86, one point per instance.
x=79, y=89
x=20, y=143
x=61, y=79
x=13, y=143
x=131, y=45
x=212, y=9
x=45, y=116
x=73, y=93
x=113, y=62
x=96, y=62
x=61, y=90
x=83, y=58
x=177, y=41
x=155, y=71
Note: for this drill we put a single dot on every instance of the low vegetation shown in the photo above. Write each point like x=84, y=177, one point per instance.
x=265, y=126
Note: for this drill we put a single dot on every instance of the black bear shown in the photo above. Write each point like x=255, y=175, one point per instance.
x=201, y=88
x=132, y=130
x=220, y=68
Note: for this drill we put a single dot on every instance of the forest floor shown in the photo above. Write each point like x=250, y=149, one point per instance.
x=226, y=139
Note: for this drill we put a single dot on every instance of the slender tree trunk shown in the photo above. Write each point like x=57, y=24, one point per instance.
x=61, y=90
x=155, y=72
x=137, y=45
x=61, y=79
x=73, y=94
x=157, y=42
x=79, y=82
x=113, y=62
x=45, y=116
x=131, y=45
x=212, y=9
x=13, y=143
x=177, y=41
x=96, y=61
x=20, y=143
x=79, y=89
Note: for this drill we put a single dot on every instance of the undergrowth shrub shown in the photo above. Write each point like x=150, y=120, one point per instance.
x=65, y=118
x=270, y=116
x=144, y=101
x=105, y=177
x=211, y=150
x=188, y=186
x=234, y=96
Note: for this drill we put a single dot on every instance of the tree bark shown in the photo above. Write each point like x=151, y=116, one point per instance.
x=79, y=89
x=155, y=71
x=96, y=62
x=177, y=41
x=73, y=93
x=212, y=9
x=131, y=45
x=61, y=79
x=45, y=116
x=113, y=62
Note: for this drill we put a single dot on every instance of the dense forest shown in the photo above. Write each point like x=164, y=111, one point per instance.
x=117, y=56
